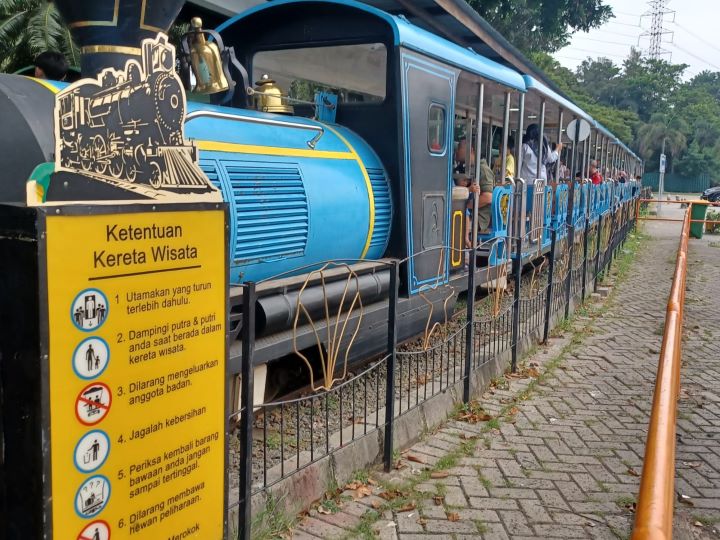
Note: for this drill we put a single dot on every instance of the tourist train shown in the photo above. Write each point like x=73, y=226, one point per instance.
x=333, y=135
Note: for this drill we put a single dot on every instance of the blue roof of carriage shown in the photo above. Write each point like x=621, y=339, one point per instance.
x=534, y=84
x=412, y=37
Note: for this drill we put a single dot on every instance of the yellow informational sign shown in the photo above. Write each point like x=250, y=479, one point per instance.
x=137, y=374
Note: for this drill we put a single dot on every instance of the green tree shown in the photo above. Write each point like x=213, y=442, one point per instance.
x=670, y=130
x=542, y=25
x=601, y=79
x=648, y=86
x=29, y=27
x=621, y=122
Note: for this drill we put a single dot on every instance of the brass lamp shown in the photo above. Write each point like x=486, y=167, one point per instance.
x=271, y=98
x=205, y=61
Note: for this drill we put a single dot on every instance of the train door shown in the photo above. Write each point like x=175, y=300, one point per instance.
x=428, y=90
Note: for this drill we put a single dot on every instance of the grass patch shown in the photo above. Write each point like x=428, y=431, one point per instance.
x=481, y=527
x=361, y=475
x=270, y=522
x=707, y=521
x=272, y=441
x=625, y=501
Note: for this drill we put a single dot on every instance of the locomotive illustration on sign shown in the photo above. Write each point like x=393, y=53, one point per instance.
x=126, y=127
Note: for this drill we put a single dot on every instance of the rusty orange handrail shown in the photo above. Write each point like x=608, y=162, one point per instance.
x=654, y=517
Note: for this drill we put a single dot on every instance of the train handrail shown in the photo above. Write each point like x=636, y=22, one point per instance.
x=654, y=517
x=255, y=120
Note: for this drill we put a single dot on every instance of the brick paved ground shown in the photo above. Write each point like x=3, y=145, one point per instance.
x=562, y=454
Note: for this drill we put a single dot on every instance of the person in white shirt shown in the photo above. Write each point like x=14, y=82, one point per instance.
x=530, y=150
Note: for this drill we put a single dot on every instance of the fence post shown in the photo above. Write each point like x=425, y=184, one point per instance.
x=470, y=332
x=611, y=243
x=517, y=270
x=390, y=367
x=597, y=252
x=585, y=251
x=568, y=279
x=549, y=297
x=246, y=411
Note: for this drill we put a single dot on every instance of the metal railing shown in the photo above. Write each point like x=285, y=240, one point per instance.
x=654, y=517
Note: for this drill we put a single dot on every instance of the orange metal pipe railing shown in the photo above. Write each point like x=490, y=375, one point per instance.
x=654, y=517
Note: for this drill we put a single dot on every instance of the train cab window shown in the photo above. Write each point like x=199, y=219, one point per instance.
x=436, y=129
x=355, y=73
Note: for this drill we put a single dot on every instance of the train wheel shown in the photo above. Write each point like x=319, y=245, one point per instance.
x=131, y=174
x=86, y=161
x=116, y=167
x=99, y=149
x=155, y=175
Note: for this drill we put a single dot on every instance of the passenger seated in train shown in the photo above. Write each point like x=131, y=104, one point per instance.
x=530, y=150
x=595, y=176
x=509, y=162
x=483, y=186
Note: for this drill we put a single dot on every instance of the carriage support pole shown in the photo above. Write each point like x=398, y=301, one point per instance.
x=516, y=302
x=390, y=367
x=585, y=252
x=549, y=296
x=470, y=322
x=246, y=411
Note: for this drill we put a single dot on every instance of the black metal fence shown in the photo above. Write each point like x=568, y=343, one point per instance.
x=276, y=440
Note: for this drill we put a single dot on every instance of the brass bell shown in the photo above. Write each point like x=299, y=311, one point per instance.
x=206, y=63
x=270, y=97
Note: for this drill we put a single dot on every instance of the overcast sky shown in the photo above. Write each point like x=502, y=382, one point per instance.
x=693, y=42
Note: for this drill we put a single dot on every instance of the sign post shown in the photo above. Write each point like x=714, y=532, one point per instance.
x=661, y=181
x=136, y=348
x=114, y=382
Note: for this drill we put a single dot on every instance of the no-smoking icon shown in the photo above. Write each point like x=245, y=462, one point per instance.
x=93, y=403
x=97, y=530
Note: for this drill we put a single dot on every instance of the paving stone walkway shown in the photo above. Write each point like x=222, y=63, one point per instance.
x=562, y=454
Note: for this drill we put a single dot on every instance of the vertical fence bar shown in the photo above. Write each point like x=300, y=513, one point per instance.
x=470, y=328
x=569, y=277
x=246, y=411
x=611, y=243
x=585, y=253
x=390, y=367
x=597, y=252
x=516, y=302
x=549, y=297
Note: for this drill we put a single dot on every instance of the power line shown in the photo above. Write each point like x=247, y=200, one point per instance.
x=635, y=36
x=596, y=53
x=624, y=24
x=696, y=57
x=626, y=13
x=608, y=42
x=693, y=34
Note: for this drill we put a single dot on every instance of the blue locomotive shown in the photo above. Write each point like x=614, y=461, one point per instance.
x=348, y=149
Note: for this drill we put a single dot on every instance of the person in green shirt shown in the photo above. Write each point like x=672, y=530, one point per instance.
x=483, y=186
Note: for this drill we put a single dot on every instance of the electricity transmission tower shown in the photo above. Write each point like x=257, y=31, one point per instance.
x=657, y=12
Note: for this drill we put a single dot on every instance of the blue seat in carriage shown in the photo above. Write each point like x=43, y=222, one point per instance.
x=577, y=214
x=494, y=241
x=537, y=226
x=548, y=221
x=594, y=202
x=561, y=207
x=585, y=204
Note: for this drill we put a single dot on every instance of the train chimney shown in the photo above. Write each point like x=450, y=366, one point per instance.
x=110, y=32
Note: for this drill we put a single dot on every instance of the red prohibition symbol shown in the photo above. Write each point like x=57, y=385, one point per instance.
x=97, y=530
x=93, y=403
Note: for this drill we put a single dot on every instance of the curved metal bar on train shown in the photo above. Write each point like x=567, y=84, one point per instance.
x=413, y=38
